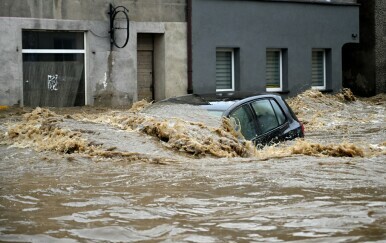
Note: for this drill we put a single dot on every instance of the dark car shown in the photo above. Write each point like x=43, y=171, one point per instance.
x=261, y=118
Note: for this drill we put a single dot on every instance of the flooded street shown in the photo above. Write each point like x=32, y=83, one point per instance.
x=158, y=174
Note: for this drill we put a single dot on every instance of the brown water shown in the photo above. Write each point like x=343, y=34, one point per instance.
x=88, y=175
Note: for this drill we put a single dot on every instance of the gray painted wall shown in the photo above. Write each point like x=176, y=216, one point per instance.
x=111, y=78
x=252, y=26
x=380, y=46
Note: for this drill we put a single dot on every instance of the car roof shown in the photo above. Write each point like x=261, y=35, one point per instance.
x=219, y=101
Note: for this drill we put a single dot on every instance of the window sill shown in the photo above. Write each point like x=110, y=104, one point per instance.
x=326, y=90
x=279, y=91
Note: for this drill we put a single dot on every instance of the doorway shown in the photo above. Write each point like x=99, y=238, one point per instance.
x=145, y=66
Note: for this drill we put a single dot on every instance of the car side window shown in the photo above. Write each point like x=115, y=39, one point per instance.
x=265, y=114
x=279, y=113
x=244, y=122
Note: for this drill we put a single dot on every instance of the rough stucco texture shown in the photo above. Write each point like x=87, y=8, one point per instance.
x=139, y=10
x=175, y=60
x=11, y=73
x=111, y=78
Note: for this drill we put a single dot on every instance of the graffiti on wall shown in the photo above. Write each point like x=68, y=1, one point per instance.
x=52, y=82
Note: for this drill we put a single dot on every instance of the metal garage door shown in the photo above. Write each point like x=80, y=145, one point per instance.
x=53, y=68
x=145, y=50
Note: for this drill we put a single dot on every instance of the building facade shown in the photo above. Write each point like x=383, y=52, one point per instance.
x=58, y=53
x=279, y=46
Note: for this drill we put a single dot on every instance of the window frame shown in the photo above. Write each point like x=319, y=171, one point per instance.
x=280, y=69
x=63, y=51
x=324, y=69
x=279, y=109
x=232, y=51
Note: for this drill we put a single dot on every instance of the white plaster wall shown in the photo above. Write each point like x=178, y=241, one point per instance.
x=10, y=70
x=176, y=61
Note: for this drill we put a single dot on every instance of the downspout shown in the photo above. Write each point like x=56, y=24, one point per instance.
x=189, y=40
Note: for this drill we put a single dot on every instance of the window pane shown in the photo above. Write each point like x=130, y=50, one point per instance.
x=53, y=40
x=244, y=122
x=265, y=116
x=272, y=71
x=279, y=113
x=53, y=80
x=317, y=68
x=224, y=73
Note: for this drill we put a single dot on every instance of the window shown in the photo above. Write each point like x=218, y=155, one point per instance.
x=53, y=68
x=243, y=121
x=279, y=113
x=225, y=70
x=269, y=115
x=273, y=69
x=318, y=79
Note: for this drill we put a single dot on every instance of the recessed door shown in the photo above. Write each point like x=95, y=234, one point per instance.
x=145, y=56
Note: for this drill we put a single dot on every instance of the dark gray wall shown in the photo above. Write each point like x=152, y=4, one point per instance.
x=380, y=46
x=359, y=59
x=139, y=10
x=252, y=26
x=364, y=64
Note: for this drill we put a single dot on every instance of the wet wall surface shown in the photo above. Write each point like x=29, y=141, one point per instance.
x=48, y=195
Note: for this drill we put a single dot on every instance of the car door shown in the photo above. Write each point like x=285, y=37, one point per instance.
x=244, y=121
x=271, y=121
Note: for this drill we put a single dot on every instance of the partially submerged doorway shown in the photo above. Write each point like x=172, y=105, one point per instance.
x=145, y=66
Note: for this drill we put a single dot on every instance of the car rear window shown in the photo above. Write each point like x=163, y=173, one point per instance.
x=290, y=110
x=279, y=113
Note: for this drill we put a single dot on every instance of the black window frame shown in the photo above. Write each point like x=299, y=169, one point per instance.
x=257, y=124
x=281, y=110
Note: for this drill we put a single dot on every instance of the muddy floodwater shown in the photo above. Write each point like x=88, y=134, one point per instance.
x=172, y=173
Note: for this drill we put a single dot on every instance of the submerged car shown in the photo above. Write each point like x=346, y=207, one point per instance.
x=261, y=118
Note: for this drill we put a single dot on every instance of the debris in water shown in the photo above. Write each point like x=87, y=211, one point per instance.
x=38, y=129
x=379, y=99
x=139, y=105
x=193, y=138
x=303, y=147
x=334, y=150
x=322, y=114
x=346, y=95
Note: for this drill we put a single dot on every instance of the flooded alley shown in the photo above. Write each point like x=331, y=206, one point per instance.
x=157, y=173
